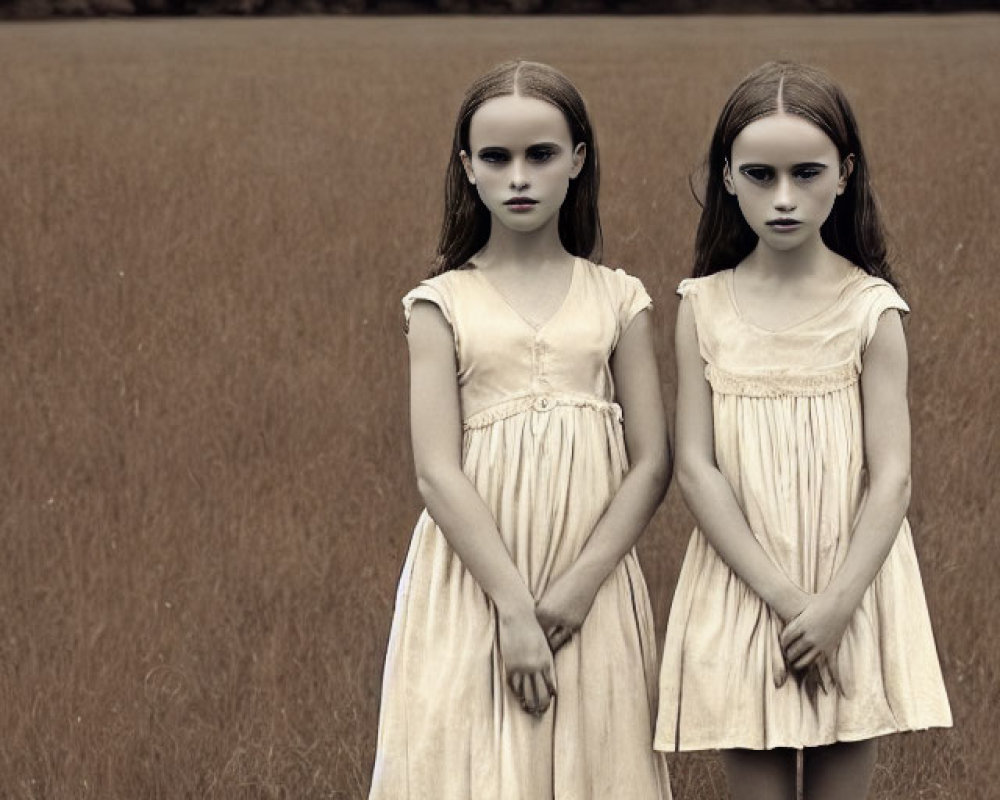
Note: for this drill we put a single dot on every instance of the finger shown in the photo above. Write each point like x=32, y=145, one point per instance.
x=796, y=649
x=542, y=692
x=802, y=662
x=516, y=682
x=805, y=659
x=791, y=633
x=560, y=637
x=548, y=675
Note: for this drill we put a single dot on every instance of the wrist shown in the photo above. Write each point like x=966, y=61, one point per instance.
x=845, y=597
x=515, y=606
x=787, y=601
x=586, y=575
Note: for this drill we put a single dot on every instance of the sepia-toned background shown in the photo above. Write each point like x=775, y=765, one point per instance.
x=206, y=489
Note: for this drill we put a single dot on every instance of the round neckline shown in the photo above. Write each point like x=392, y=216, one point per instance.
x=734, y=301
x=562, y=303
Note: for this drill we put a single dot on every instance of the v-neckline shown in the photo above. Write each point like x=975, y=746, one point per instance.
x=734, y=300
x=562, y=304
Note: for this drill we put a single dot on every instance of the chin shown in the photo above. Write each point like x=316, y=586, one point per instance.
x=520, y=227
x=529, y=223
x=783, y=243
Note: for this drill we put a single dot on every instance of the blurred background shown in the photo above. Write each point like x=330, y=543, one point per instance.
x=207, y=488
x=31, y=9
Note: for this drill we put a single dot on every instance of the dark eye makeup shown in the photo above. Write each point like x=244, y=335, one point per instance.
x=537, y=153
x=542, y=152
x=757, y=173
x=494, y=155
x=761, y=173
x=808, y=171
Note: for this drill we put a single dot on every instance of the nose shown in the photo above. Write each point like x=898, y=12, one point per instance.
x=784, y=197
x=518, y=175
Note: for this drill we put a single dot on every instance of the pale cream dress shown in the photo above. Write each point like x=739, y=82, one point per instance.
x=543, y=445
x=789, y=439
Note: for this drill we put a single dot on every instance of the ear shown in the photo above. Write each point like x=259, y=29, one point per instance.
x=579, y=159
x=467, y=165
x=846, y=170
x=727, y=178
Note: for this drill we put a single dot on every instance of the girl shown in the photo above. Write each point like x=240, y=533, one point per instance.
x=799, y=621
x=521, y=658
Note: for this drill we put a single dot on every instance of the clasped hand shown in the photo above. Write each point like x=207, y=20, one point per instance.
x=528, y=661
x=529, y=643
x=813, y=636
x=563, y=608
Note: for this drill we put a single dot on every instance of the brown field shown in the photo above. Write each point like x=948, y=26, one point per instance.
x=206, y=229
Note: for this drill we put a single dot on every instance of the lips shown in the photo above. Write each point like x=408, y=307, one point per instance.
x=520, y=201
x=783, y=223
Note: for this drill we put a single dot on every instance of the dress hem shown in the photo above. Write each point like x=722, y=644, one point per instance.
x=844, y=736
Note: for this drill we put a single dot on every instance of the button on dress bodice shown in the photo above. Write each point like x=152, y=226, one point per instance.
x=502, y=357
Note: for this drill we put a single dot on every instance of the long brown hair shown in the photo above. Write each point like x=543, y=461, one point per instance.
x=466, y=225
x=854, y=228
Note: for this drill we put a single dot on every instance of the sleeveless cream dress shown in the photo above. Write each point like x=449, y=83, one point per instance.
x=789, y=439
x=543, y=445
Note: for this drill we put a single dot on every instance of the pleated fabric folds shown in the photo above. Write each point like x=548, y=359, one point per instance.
x=789, y=439
x=544, y=448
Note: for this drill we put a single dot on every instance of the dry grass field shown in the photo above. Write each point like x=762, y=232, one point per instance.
x=207, y=490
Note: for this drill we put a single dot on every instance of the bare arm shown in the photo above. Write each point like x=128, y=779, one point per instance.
x=568, y=600
x=820, y=627
x=706, y=490
x=887, y=453
x=457, y=508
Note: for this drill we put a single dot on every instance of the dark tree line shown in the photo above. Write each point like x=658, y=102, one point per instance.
x=36, y=9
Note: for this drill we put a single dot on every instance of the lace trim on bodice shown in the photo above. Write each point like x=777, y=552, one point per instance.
x=541, y=402
x=780, y=383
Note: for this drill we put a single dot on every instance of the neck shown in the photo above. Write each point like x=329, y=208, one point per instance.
x=522, y=248
x=811, y=258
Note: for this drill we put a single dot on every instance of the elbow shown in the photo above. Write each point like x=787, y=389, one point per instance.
x=657, y=470
x=668, y=465
x=659, y=475
x=430, y=483
x=686, y=483
x=425, y=485
x=903, y=488
x=895, y=486
x=689, y=477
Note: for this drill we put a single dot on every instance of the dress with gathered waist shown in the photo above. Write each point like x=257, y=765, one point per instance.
x=544, y=448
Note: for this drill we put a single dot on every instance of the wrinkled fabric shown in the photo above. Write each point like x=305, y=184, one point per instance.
x=789, y=440
x=543, y=445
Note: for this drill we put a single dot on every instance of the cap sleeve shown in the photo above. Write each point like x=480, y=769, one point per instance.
x=699, y=292
x=634, y=298
x=687, y=286
x=432, y=293
x=881, y=298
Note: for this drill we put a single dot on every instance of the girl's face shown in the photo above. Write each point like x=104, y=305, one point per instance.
x=521, y=159
x=786, y=174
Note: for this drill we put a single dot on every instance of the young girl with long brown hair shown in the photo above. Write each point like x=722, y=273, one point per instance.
x=799, y=621
x=521, y=662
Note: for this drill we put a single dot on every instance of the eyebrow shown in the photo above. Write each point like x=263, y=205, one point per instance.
x=534, y=145
x=756, y=164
